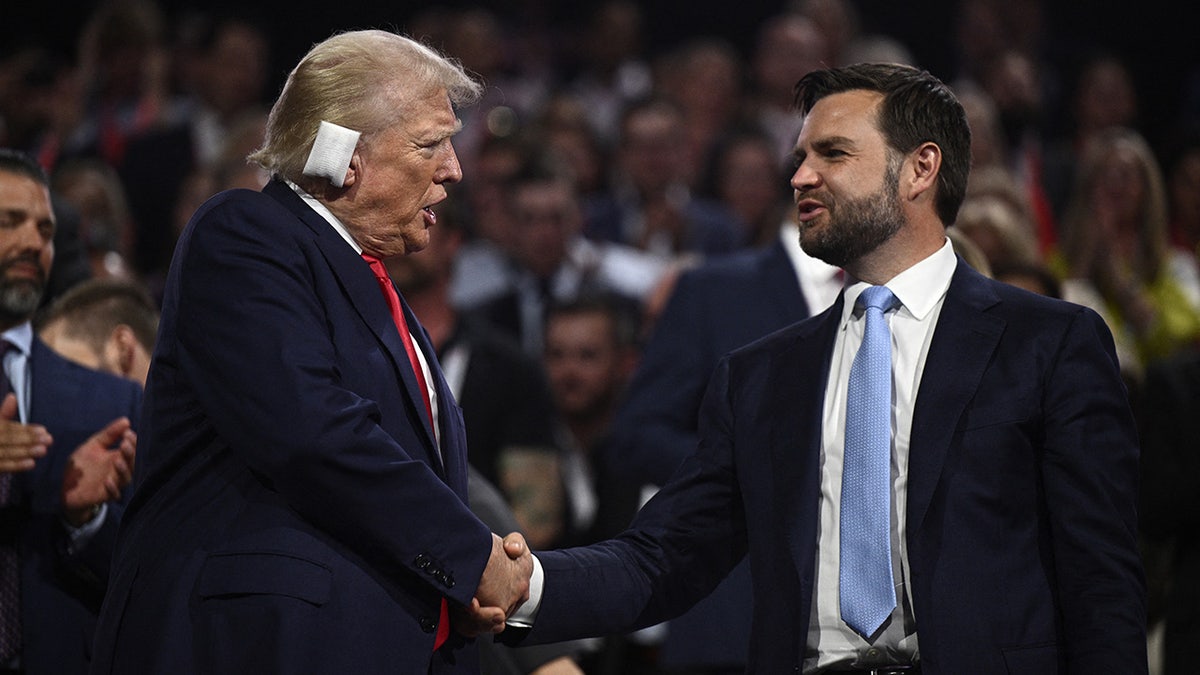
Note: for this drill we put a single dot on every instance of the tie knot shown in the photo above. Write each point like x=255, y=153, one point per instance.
x=877, y=297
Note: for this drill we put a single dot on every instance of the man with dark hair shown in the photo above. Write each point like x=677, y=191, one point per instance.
x=943, y=484
x=61, y=480
x=103, y=324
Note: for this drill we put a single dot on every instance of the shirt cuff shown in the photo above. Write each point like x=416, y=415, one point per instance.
x=527, y=612
x=80, y=536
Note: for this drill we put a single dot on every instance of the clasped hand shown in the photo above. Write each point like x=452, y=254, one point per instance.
x=97, y=471
x=502, y=590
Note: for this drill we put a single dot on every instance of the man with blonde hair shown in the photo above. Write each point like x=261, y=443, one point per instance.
x=302, y=502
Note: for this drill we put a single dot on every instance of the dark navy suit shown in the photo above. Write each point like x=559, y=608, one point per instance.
x=1021, y=520
x=714, y=309
x=291, y=512
x=61, y=588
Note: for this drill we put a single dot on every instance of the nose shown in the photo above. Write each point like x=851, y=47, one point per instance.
x=29, y=236
x=450, y=171
x=804, y=178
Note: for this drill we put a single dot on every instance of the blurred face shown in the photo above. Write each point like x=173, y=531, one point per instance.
x=236, y=69
x=750, y=183
x=546, y=219
x=26, y=246
x=846, y=181
x=401, y=174
x=582, y=362
x=652, y=149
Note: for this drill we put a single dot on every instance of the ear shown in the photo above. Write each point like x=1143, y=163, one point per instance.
x=926, y=163
x=354, y=171
x=122, y=348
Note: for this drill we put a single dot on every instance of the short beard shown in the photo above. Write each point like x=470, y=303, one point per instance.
x=857, y=226
x=19, y=300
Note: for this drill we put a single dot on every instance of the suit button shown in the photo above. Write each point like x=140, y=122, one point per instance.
x=422, y=561
x=428, y=624
x=449, y=581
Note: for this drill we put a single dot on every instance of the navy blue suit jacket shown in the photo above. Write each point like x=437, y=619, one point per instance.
x=1021, y=520
x=291, y=513
x=714, y=309
x=61, y=588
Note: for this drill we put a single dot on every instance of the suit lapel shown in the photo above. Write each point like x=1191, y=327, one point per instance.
x=797, y=410
x=963, y=342
x=363, y=292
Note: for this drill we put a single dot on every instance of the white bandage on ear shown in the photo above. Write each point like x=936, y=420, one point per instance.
x=331, y=153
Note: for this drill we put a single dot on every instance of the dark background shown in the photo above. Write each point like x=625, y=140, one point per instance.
x=1158, y=39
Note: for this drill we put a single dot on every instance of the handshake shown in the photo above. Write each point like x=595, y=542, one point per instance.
x=502, y=590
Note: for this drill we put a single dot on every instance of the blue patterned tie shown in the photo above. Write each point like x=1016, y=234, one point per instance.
x=865, y=579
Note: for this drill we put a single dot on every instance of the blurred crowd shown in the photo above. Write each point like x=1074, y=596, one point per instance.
x=598, y=170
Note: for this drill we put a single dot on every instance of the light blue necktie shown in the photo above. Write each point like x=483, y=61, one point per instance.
x=865, y=579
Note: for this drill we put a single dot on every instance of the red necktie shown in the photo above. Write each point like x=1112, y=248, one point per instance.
x=393, y=303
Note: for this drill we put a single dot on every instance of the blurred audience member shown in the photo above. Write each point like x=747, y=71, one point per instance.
x=1116, y=256
x=1184, y=187
x=39, y=102
x=590, y=354
x=564, y=127
x=788, y=46
x=1103, y=97
x=96, y=192
x=745, y=176
x=104, y=324
x=704, y=78
x=228, y=74
x=551, y=260
x=1002, y=235
x=124, y=66
x=614, y=73
x=509, y=415
x=651, y=206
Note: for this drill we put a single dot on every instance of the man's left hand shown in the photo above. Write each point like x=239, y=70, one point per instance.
x=98, y=470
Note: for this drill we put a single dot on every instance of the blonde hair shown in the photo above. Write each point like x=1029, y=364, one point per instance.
x=362, y=80
x=1078, y=222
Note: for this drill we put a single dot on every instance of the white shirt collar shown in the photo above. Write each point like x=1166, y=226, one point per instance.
x=919, y=288
x=21, y=337
x=325, y=213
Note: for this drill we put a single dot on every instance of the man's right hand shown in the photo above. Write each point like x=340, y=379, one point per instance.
x=21, y=445
x=505, y=582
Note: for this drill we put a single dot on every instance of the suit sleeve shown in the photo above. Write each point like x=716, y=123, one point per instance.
x=256, y=341
x=1090, y=472
x=686, y=539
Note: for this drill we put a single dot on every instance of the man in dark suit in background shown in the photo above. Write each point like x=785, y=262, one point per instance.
x=302, y=502
x=60, y=476
x=991, y=526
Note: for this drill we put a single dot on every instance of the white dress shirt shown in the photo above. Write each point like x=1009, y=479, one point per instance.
x=921, y=290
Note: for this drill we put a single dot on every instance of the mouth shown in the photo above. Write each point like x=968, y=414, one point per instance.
x=430, y=216
x=808, y=209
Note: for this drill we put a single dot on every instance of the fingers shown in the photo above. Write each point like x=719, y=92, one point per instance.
x=8, y=409
x=113, y=433
x=475, y=619
x=515, y=545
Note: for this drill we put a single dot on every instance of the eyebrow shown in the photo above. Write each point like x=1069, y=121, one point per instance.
x=440, y=136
